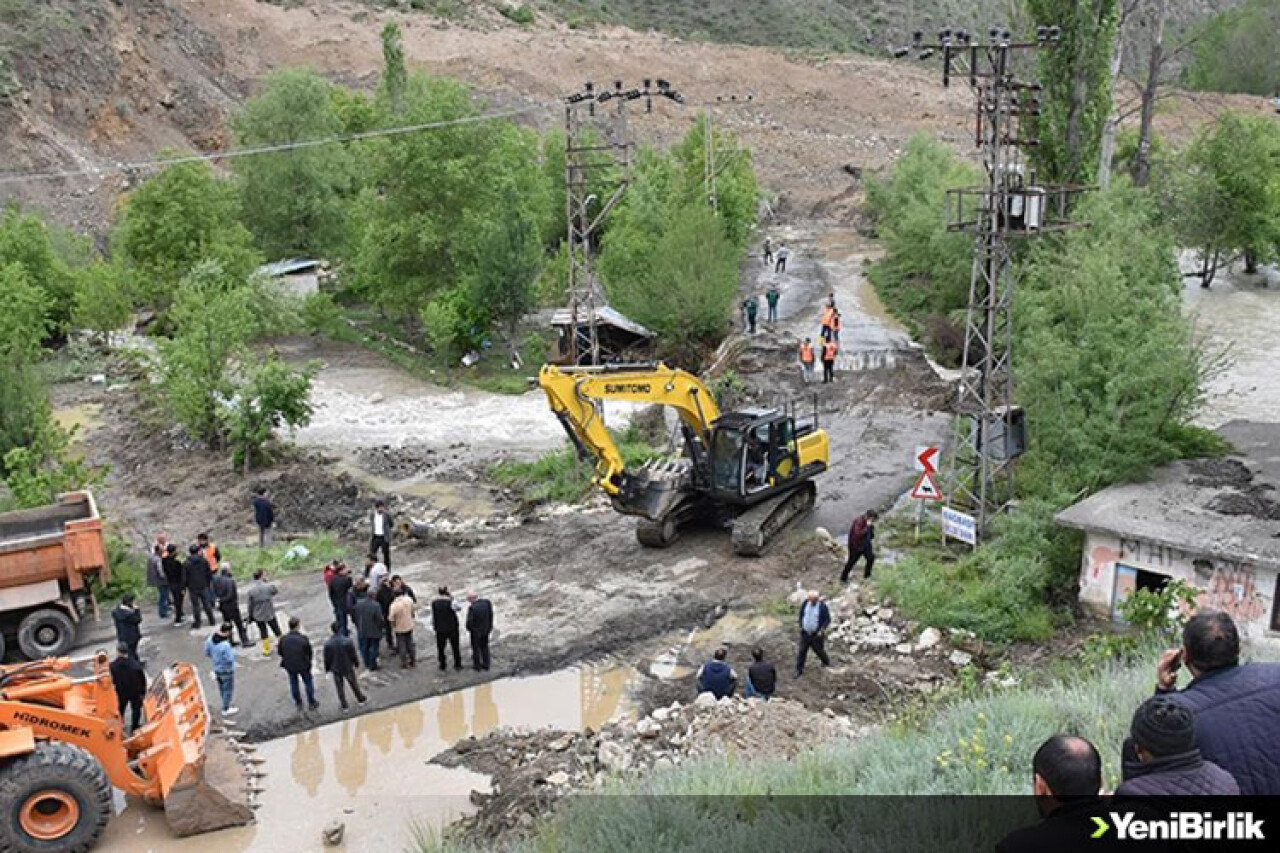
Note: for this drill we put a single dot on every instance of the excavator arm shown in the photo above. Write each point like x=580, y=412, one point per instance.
x=573, y=393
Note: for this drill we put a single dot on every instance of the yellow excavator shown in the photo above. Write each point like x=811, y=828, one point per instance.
x=751, y=469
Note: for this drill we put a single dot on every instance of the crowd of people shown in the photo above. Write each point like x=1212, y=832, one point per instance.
x=370, y=609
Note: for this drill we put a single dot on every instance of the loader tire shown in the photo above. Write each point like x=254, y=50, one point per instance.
x=54, y=800
x=46, y=633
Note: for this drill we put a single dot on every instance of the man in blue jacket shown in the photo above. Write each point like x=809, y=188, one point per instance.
x=1236, y=706
x=814, y=619
x=717, y=677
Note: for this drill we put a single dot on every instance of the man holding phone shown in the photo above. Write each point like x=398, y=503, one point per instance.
x=1236, y=705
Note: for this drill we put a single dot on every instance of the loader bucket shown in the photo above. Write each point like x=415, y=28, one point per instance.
x=203, y=783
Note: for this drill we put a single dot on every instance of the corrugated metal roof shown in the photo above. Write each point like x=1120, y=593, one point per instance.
x=604, y=315
x=289, y=267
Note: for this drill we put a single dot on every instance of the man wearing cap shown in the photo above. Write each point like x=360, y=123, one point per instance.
x=1161, y=758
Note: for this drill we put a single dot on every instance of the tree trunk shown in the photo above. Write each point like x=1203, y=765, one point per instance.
x=1250, y=262
x=1142, y=161
x=1108, y=148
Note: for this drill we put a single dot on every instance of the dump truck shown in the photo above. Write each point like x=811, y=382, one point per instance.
x=750, y=471
x=50, y=559
x=63, y=747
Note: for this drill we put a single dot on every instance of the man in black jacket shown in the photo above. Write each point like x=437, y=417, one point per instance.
x=128, y=621
x=370, y=625
x=175, y=575
x=1161, y=759
x=340, y=661
x=815, y=616
x=384, y=595
x=130, y=682
x=228, y=595
x=762, y=676
x=198, y=575
x=340, y=586
x=444, y=620
x=295, y=658
x=479, y=627
x=1236, y=706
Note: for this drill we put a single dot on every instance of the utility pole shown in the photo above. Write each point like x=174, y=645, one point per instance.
x=990, y=430
x=588, y=155
x=710, y=171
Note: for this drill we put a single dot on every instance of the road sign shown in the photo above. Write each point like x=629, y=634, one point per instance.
x=958, y=525
x=927, y=459
x=926, y=488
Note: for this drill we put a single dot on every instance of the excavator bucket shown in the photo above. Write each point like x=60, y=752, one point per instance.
x=204, y=782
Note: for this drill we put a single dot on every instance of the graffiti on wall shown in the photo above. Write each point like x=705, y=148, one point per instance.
x=1101, y=556
x=1153, y=555
x=1230, y=585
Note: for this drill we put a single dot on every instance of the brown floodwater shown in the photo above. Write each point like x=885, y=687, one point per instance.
x=372, y=772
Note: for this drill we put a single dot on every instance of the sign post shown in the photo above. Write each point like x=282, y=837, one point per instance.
x=926, y=487
x=959, y=525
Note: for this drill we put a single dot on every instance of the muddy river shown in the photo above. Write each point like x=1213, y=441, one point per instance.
x=372, y=772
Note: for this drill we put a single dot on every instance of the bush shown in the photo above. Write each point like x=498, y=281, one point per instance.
x=560, y=476
x=521, y=14
x=320, y=314
x=128, y=573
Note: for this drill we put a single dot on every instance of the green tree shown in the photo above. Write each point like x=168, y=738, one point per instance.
x=213, y=315
x=686, y=290
x=176, y=219
x=293, y=201
x=395, y=78
x=508, y=264
x=37, y=472
x=1077, y=87
x=274, y=395
x=26, y=241
x=1236, y=51
x=1225, y=195
x=24, y=323
x=102, y=302
x=736, y=191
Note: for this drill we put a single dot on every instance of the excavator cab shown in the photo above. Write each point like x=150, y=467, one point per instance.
x=754, y=453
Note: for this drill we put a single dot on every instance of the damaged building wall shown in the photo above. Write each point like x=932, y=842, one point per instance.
x=1113, y=566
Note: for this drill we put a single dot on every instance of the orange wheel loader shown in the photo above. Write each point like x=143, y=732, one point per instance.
x=63, y=748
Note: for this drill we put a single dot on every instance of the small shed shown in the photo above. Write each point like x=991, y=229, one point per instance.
x=300, y=276
x=621, y=339
x=1213, y=523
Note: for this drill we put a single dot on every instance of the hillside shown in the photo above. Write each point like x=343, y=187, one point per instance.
x=92, y=84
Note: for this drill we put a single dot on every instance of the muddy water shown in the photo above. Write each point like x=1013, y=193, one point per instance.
x=84, y=417
x=1240, y=316
x=372, y=772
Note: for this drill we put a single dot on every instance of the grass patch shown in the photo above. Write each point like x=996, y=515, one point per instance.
x=521, y=14
x=560, y=476
x=492, y=373
x=274, y=560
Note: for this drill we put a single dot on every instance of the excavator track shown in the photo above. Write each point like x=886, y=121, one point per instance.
x=755, y=529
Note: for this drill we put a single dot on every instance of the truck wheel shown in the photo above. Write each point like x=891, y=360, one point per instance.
x=46, y=634
x=54, y=800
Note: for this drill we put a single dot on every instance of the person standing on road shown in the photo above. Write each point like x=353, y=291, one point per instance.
x=862, y=534
x=385, y=595
x=751, y=306
x=228, y=596
x=783, y=254
x=806, y=360
x=768, y=252
x=375, y=573
x=479, y=627
x=175, y=576
x=771, y=299
x=199, y=576
x=262, y=608
x=835, y=325
x=156, y=579
x=340, y=586
x=380, y=522
x=444, y=621
x=128, y=621
x=828, y=319
x=295, y=659
x=212, y=556
x=762, y=677
x=264, y=515
x=814, y=619
x=340, y=661
x=401, y=614
x=829, y=351
x=130, y=681
x=370, y=625
x=218, y=648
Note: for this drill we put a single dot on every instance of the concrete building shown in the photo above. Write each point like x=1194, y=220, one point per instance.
x=1213, y=523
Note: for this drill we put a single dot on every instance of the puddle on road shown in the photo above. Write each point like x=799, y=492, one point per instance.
x=466, y=500
x=85, y=416
x=372, y=772
x=735, y=629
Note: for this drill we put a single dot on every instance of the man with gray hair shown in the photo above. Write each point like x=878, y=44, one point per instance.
x=814, y=619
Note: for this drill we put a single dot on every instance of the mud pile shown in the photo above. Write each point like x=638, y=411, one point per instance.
x=533, y=771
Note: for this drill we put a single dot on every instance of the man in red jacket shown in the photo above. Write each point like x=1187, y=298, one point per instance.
x=861, y=535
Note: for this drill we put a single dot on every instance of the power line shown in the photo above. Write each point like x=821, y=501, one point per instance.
x=264, y=149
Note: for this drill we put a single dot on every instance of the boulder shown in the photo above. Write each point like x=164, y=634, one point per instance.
x=705, y=700
x=928, y=638
x=648, y=729
x=558, y=778
x=613, y=756
x=333, y=832
x=959, y=658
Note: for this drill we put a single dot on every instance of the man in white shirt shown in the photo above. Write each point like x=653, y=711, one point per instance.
x=380, y=519
x=375, y=572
